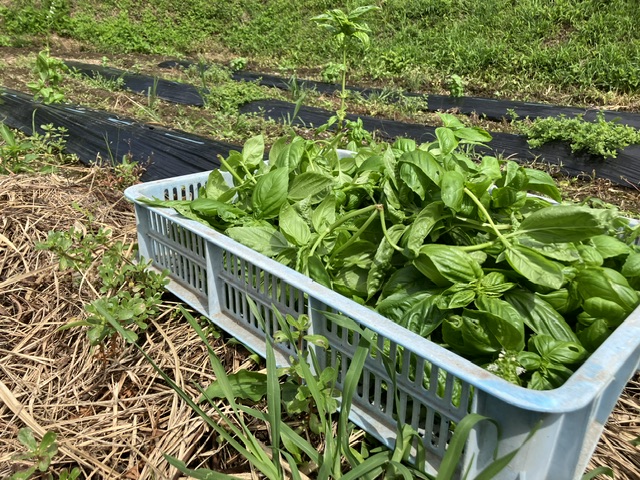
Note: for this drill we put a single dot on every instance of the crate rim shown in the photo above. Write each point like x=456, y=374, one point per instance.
x=578, y=391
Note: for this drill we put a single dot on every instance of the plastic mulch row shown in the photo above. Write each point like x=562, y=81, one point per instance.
x=95, y=135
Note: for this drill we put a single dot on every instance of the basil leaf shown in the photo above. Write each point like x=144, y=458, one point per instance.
x=289, y=156
x=534, y=267
x=504, y=321
x=451, y=121
x=608, y=284
x=562, y=223
x=318, y=272
x=324, y=215
x=449, y=262
x=351, y=282
x=253, y=152
x=414, y=178
x=539, y=315
x=554, y=351
x=294, y=228
x=590, y=256
x=610, y=247
x=563, y=252
x=446, y=140
x=308, y=184
x=424, y=162
x=595, y=334
x=382, y=260
x=631, y=267
x=422, y=226
x=423, y=317
x=541, y=182
x=265, y=240
x=607, y=309
x=473, y=135
x=270, y=193
x=216, y=185
x=452, y=190
x=210, y=208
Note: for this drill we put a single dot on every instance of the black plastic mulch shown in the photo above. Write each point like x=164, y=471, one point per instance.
x=175, y=92
x=490, y=108
x=92, y=133
x=623, y=170
x=168, y=150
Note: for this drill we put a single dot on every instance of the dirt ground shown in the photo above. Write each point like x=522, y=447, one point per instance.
x=114, y=416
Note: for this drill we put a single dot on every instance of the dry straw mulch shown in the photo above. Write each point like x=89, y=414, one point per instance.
x=114, y=416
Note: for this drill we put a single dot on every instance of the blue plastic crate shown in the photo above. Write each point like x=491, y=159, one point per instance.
x=215, y=275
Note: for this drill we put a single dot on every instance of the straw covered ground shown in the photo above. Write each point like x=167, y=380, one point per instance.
x=114, y=416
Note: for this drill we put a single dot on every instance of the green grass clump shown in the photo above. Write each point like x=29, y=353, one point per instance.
x=601, y=137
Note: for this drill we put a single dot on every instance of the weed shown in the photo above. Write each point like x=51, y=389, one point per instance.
x=239, y=63
x=602, y=138
x=40, y=455
x=127, y=291
x=332, y=72
x=37, y=153
x=456, y=85
x=50, y=72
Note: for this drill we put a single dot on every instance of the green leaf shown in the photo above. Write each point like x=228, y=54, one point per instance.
x=607, y=284
x=26, y=438
x=198, y=473
x=209, y=209
x=446, y=140
x=450, y=262
x=253, y=152
x=216, y=185
x=504, y=322
x=308, y=184
x=564, y=252
x=324, y=214
x=289, y=156
x=563, y=223
x=472, y=135
x=245, y=384
x=294, y=228
x=424, y=316
x=631, y=267
x=422, y=226
x=382, y=260
x=610, y=247
x=598, y=471
x=265, y=240
x=452, y=189
x=318, y=272
x=534, y=267
x=270, y=193
x=543, y=183
x=539, y=316
x=423, y=161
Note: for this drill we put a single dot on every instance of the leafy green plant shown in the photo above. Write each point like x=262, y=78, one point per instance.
x=50, y=72
x=452, y=249
x=40, y=454
x=347, y=31
x=238, y=63
x=603, y=138
x=456, y=85
x=127, y=291
x=36, y=153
